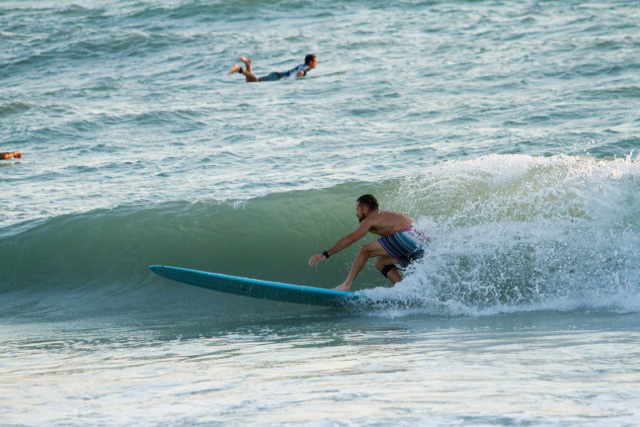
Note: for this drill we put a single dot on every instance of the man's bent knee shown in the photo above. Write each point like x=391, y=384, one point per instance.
x=387, y=268
x=365, y=250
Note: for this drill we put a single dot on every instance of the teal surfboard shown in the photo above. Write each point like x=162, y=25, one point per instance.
x=256, y=288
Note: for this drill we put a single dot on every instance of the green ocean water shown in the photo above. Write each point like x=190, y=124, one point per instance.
x=508, y=130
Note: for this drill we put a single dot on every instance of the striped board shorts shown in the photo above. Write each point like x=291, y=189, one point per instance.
x=406, y=246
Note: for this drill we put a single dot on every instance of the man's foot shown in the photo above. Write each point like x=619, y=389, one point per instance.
x=343, y=287
x=247, y=61
x=234, y=69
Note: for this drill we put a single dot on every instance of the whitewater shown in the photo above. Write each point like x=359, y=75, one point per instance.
x=507, y=130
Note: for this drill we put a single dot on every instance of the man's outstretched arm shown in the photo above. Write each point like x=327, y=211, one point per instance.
x=344, y=242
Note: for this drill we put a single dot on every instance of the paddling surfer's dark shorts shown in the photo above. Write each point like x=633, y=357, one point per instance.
x=405, y=246
x=271, y=77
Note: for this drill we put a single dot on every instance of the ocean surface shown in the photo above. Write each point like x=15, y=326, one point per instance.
x=510, y=130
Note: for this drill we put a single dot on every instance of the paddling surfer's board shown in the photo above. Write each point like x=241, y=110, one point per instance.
x=256, y=288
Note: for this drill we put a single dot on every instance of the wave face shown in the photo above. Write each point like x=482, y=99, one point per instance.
x=510, y=233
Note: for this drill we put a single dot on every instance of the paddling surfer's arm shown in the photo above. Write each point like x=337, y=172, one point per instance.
x=302, y=73
x=345, y=242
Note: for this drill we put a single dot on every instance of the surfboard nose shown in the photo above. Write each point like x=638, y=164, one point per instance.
x=155, y=268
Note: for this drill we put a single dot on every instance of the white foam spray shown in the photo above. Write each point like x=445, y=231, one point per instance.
x=522, y=233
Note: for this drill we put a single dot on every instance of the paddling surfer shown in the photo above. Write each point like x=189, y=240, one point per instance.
x=10, y=155
x=310, y=62
x=400, y=242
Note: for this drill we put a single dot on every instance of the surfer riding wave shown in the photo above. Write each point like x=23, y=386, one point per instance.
x=400, y=243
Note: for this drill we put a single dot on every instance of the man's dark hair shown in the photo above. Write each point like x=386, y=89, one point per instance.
x=309, y=58
x=369, y=201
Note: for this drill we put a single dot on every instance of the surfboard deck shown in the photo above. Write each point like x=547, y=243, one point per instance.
x=254, y=288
